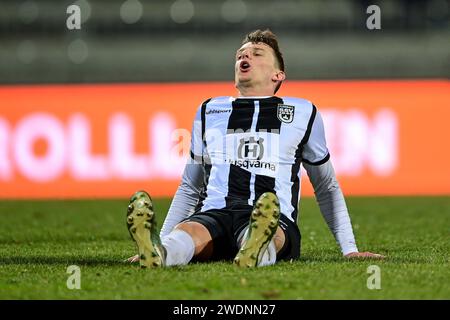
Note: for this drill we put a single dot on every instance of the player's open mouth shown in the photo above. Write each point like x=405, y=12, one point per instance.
x=244, y=66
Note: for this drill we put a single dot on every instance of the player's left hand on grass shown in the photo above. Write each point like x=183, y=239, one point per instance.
x=133, y=259
x=364, y=255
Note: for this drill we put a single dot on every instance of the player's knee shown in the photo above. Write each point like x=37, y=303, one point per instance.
x=197, y=231
x=201, y=237
x=279, y=238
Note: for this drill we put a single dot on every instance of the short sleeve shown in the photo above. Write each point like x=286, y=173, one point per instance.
x=315, y=151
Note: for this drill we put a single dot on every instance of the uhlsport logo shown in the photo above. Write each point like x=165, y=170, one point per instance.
x=285, y=113
x=215, y=111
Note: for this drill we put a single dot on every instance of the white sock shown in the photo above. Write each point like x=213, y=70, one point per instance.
x=179, y=246
x=269, y=256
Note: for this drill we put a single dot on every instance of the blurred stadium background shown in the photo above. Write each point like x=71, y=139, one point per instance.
x=66, y=140
x=184, y=40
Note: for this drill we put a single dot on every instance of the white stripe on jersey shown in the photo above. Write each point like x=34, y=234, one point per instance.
x=253, y=177
x=218, y=178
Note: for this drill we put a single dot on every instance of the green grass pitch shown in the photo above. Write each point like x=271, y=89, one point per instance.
x=40, y=239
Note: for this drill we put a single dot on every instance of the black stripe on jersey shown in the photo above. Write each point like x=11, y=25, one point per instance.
x=308, y=129
x=203, y=192
x=267, y=117
x=203, y=119
x=238, y=185
x=263, y=184
x=296, y=167
x=318, y=163
x=242, y=115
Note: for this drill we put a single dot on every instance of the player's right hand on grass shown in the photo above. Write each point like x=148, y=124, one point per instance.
x=133, y=259
x=364, y=255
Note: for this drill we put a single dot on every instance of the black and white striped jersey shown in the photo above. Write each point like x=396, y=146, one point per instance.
x=251, y=145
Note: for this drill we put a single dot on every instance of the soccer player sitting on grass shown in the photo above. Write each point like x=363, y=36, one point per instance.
x=239, y=193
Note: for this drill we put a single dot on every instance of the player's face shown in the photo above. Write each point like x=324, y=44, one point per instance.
x=255, y=65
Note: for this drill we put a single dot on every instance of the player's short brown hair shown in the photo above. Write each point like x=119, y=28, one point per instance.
x=269, y=38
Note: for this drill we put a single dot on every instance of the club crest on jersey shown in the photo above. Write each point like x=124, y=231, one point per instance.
x=285, y=113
